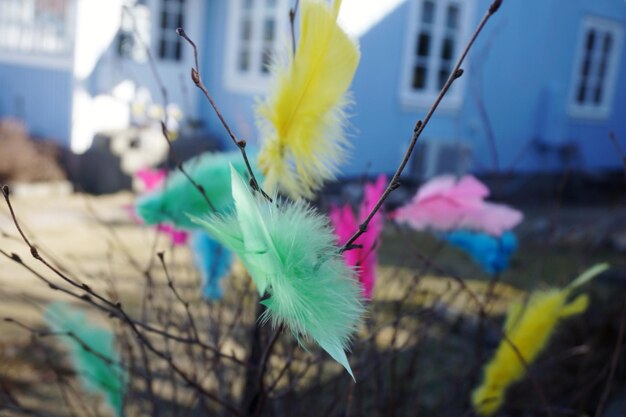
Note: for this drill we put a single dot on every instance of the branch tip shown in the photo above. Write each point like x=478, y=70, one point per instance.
x=5, y=191
x=495, y=6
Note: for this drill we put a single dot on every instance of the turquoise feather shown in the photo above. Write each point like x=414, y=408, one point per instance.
x=97, y=376
x=180, y=197
x=289, y=250
x=212, y=261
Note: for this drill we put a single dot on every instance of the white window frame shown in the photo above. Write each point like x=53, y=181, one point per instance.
x=412, y=99
x=171, y=7
x=603, y=110
x=60, y=60
x=254, y=81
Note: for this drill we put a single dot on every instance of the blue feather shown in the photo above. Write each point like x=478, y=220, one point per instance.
x=491, y=253
x=213, y=262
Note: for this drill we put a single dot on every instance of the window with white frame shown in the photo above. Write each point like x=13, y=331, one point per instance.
x=595, y=67
x=435, y=33
x=36, y=28
x=255, y=30
x=172, y=17
x=134, y=34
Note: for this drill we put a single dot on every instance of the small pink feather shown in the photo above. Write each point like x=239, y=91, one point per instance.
x=343, y=219
x=445, y=204
x=151, y=180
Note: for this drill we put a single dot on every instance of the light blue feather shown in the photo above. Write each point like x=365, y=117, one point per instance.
x=491, y=253
x=97, y=375
x=212, y=261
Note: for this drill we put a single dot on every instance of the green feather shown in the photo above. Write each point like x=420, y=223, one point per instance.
x=97, y=375
x=290, y=252
x=180, y=197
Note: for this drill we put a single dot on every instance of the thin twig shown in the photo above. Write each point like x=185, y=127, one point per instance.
x=292, y=23
x=196, y=77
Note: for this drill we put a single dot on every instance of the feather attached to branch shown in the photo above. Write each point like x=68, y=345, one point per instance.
x=303, y=119
x=93, y=353
x=180, y=197
x=290, y=253
x=528, y=331
x=445, y=204
x=364, y=258
x=490, y=252
x=212, y=261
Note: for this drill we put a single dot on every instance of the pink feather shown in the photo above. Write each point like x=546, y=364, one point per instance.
x=151, y=178
x=364, y=259
x=445, y=204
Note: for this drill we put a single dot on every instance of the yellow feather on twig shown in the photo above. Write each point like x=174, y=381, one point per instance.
x=527, y=331
x=303, y=120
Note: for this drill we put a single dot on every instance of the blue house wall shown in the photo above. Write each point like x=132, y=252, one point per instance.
x=521, y=68
x=42, y=97
x=237, y=108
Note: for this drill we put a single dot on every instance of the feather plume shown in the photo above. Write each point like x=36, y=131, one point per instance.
x=98, y=366
x=490, y=252
x=302, y=121
x=529, y=330
x=364, y=259
x=180, y=197
x=445, y=204
x=290, y=253
x=213, y=261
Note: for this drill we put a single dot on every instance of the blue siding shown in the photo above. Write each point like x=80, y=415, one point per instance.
x=527, y=53
x=237, y=108
x=41, y=97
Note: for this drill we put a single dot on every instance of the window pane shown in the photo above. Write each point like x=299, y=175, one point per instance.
x=591, y=37
x=597, y=97
x=419, y=77
x=163, y=20
x=268, y=30
x=181, y=21
x=266, y=60
x=602, y=70
x=247, y=4
x=179, y=50
x=246, y=30
x=608, y=42
x=581, y=93
x=244, y=60
x=447, y=49
x=428, y=12
x=162, y=48
x=452, y=17
x=270, y=3
x=444, y=73
x=423, y=44
x=586, y=67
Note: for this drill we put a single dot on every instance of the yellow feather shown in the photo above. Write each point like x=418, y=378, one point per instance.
x=528, y=332
x=302, y=121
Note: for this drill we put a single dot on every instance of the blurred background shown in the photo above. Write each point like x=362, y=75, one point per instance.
x=539, y=116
